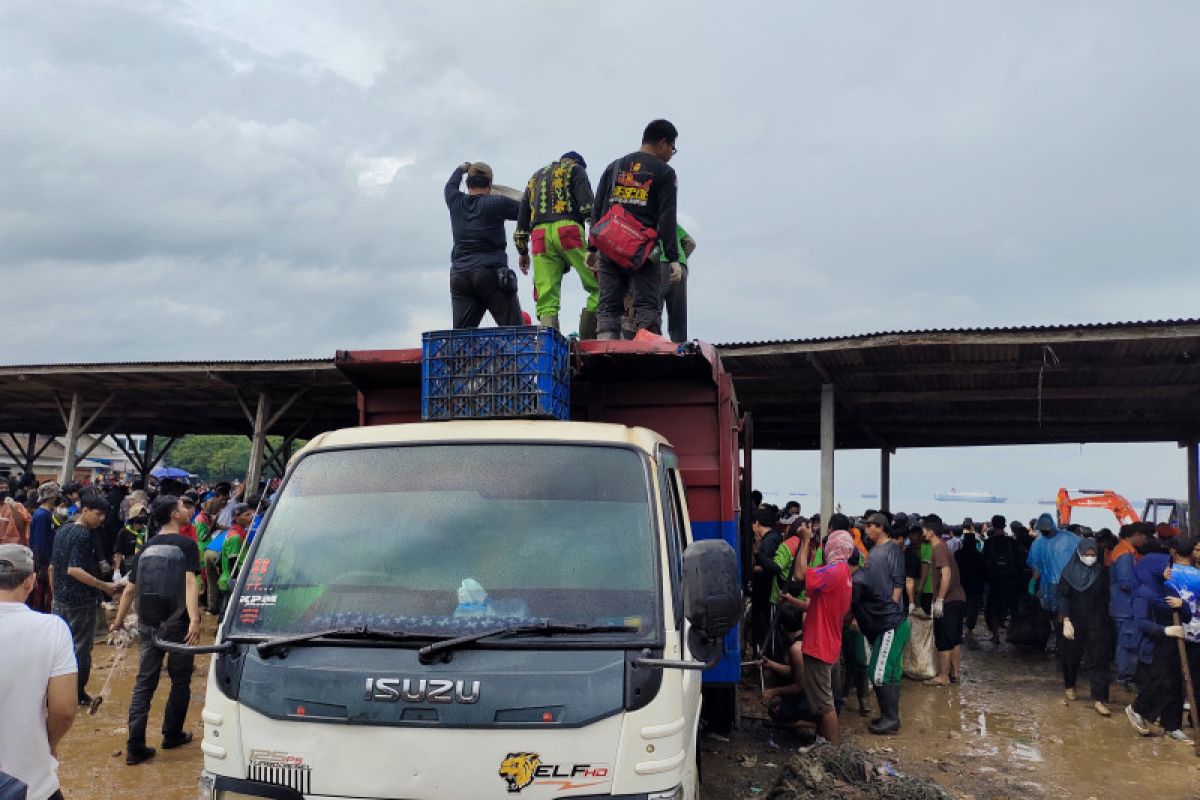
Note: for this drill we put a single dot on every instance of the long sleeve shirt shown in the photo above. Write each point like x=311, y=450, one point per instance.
x=1122, y=582
x=560, y=190
x=477, y=222
x=648, y=189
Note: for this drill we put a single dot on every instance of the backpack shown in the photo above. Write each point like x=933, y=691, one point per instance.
x=619, y=236
x=1003, y=556
x=161, y=572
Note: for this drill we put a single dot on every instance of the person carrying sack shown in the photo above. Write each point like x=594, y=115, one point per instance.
x=634, y=209
x=556, y=203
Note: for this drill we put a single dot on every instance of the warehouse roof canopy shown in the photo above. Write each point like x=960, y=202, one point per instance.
x=1136, y=381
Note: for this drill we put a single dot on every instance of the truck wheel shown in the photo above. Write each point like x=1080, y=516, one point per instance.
x=720, y=710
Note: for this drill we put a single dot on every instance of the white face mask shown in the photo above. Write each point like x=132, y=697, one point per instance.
x=61, y=511
x=1088, y=560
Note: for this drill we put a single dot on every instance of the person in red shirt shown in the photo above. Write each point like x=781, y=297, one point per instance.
x=188, y=529
x=828, y=590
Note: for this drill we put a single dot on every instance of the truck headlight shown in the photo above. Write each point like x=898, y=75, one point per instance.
x=670, y=794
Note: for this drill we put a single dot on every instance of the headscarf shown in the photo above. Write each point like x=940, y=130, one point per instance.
x=1079, y=575
x=838, y=547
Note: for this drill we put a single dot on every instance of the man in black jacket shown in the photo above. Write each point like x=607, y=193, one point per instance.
x=479, y=276
x=645, y=185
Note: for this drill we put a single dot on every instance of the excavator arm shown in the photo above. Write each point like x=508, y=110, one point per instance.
x=1098, y=498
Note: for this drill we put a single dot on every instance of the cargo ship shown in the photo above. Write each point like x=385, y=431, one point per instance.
x=955, y=496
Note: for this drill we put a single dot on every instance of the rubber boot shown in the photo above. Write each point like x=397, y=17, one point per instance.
x=587, y=324
x=549, y=321
x=888, y=697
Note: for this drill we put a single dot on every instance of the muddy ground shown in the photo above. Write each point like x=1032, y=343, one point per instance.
x=1005, y=732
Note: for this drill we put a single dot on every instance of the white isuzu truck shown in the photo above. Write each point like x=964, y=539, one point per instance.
x=470, y=609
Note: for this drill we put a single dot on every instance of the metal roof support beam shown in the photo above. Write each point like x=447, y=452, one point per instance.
x=16, y=459
x=258, y=442
x=38, y=453
x=152, y=459
x=885, y=479
x=847, y=405
x=96, y=440
x=1192, y=449
x=827, y=448
x=74, y=423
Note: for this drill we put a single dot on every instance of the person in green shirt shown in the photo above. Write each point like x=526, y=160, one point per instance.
x=675, y=286
x=243, y=514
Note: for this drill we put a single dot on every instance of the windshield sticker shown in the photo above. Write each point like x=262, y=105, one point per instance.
x=258, y=600
x=522, y=770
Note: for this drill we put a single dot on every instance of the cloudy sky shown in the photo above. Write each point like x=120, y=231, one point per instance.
x=232, y=179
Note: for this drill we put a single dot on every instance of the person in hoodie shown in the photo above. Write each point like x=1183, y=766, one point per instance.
x=1122, y=584
x=1159, y=677
x=1050, y=552
x=1083, y=601
x=973, y=573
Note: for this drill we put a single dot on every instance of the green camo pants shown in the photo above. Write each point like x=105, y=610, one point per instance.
x=557, y=247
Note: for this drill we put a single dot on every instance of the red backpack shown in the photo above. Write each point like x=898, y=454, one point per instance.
x=620, y=237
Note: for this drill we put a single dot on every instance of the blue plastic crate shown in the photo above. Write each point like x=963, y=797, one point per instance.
x=495, y=373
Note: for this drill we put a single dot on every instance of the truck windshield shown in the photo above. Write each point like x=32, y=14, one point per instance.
x=445, y=540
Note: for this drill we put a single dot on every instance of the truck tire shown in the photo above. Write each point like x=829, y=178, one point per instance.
x=719, y=710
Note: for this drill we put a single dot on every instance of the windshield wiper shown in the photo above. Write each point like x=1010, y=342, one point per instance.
x=269, y=646
x=427, y=652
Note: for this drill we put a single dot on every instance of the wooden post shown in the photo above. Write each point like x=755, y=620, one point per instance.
x=1193, y=489
x=885, y=479
x=827, y=446
x=258, y=444
x=74, y=423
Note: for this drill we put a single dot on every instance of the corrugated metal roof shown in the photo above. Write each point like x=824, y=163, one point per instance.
x=1083, y=326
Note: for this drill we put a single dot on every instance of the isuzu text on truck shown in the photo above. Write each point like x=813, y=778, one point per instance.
x=486, y=608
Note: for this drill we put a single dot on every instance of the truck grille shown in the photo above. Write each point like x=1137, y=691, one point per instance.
x=298, y=777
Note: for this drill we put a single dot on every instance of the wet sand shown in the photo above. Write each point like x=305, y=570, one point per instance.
x=1006, y=732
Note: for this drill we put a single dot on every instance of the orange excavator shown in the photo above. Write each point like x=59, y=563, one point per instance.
x=1095, y=498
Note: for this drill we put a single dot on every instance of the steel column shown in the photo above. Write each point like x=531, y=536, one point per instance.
x=885, y=479
x=258, y=443
x=1193, y=489
x=74, y=423
x=827, y=447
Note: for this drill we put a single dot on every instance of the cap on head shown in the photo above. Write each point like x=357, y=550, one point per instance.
x=49, y=491
x=877, y=519
x=15, y=558
x=574, y=156
x=242, y=508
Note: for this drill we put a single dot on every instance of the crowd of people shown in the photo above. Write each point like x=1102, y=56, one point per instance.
x=885, y=596
x=633, y=265
x=69, y=557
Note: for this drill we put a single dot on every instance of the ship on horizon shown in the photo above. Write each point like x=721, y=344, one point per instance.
x=955, y=496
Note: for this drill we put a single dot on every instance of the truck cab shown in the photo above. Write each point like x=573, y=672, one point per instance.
x=472, y=608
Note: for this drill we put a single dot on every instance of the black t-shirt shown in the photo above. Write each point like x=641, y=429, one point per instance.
x=73, y=547
x=191, y=562
x=648, y=189
x=477, y=222
x=127, y=543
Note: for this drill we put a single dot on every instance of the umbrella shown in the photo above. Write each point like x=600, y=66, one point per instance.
x=163, y=473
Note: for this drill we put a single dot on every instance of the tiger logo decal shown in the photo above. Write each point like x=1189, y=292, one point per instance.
x=518, y=770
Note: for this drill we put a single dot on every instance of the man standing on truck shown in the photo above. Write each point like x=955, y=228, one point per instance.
x=675, y=294
x=480, y=279
x=557, y=201
x=644, y=184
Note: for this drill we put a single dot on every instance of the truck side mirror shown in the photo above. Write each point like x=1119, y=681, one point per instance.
x=712, y=596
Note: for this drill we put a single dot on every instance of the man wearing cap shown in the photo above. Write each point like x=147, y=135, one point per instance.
x=557, y=201
x=41, y=542
x=38, y=690
x=480, y=280
x=14, y=518
x=878, y=590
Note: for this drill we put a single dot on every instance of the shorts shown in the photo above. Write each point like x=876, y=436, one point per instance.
x=818, y=685
x=948, y=630
x=887, y=655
